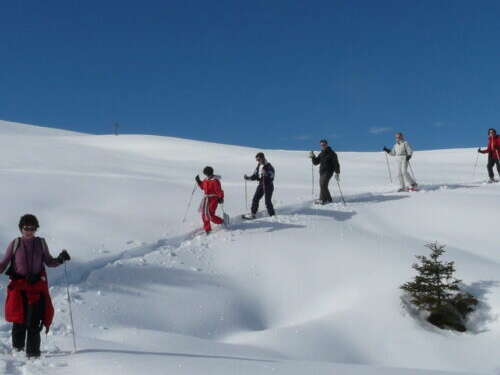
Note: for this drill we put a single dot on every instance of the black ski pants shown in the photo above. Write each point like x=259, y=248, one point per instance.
x=324, y=192
x=266, y=191
x=27, y=335
x=491, y=164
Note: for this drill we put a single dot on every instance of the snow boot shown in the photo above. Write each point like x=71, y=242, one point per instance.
x=248, y=217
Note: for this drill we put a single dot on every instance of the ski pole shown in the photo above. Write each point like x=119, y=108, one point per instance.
x=246, y=195
x=388, y=167
x=340, y=190
x=312, y=178
x=475, y=166
x=189, y=203
x=70, y=309
x=225, y=216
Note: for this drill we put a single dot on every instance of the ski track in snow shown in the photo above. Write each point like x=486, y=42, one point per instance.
x=81, y=271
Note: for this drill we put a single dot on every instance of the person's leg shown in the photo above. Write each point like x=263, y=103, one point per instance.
x=498, y=167
x=324, y=181
x=259, y=193
x=400, y=173
x=18, y=336
x=212, y=209
x=35, y=312
x=269, y=189
x=33, y=342
x=205, y=216
x=406, y=174
x=490, y=165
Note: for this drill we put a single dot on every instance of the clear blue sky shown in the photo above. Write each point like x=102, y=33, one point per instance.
x=272, y=74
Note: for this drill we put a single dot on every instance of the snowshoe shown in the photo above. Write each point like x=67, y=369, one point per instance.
x=402, y=190
x=248, y=217
x=320, y=202
x=492, y=181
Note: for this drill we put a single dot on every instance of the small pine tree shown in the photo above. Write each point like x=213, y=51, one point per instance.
x=436, y=291
x=434, y=285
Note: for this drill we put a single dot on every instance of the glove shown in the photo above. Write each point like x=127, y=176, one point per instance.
x=63, y=257
x=387, y=150
x=408, y=157
x=198, y=179
x=311, y=155
x=479, y=150
x=220, y=200
x=337, y=177
x=246, y=177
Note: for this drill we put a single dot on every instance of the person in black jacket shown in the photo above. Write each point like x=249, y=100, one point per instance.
x=328, y=166
x=264, y=173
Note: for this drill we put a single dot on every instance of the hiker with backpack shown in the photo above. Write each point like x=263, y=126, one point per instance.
x=213, y=195
x=328, y=167
x=28, y=305
x=493, y=151
x=264, y=174
x=403, y=153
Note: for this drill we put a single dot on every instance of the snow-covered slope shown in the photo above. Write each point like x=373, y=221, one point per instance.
x=314, y=290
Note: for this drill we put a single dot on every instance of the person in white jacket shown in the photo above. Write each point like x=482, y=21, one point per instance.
x=403, y=152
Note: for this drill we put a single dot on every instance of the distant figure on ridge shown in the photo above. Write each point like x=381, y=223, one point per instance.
x=28, y=305
x=214, y=195
x=493, y=151
x=328, y=166
x=403, y=152
x=264, y=173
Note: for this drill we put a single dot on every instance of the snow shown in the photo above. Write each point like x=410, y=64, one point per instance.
x=314, y=290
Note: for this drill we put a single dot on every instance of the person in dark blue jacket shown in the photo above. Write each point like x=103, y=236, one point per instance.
x=264, y=173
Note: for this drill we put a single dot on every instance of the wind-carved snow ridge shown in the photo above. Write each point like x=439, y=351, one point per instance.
x=313, y=290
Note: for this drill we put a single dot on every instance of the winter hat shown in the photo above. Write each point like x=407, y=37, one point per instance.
x=208, y=171
x=323, y=141
x=492, y=130
x=28, y=220
x=260, y=155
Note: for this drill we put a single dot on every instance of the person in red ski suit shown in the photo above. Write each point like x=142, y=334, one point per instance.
x=214, y=195
x=28, y=305
x=493, y=151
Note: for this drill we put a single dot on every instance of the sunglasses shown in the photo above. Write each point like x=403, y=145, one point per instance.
x=29, y=228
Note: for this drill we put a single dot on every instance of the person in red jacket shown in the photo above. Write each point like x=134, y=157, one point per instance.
x=28, y=305
x=214, y=195
x=493, y=151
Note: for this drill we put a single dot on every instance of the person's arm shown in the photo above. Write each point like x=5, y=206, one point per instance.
x=4, y=263
x=336, y=164
x=409, y=150
x=393, y=151
x=315, y=159
x=48, y=259
x=198, y=181
x=218, y=190
x=267, y=173
x=255, y=175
